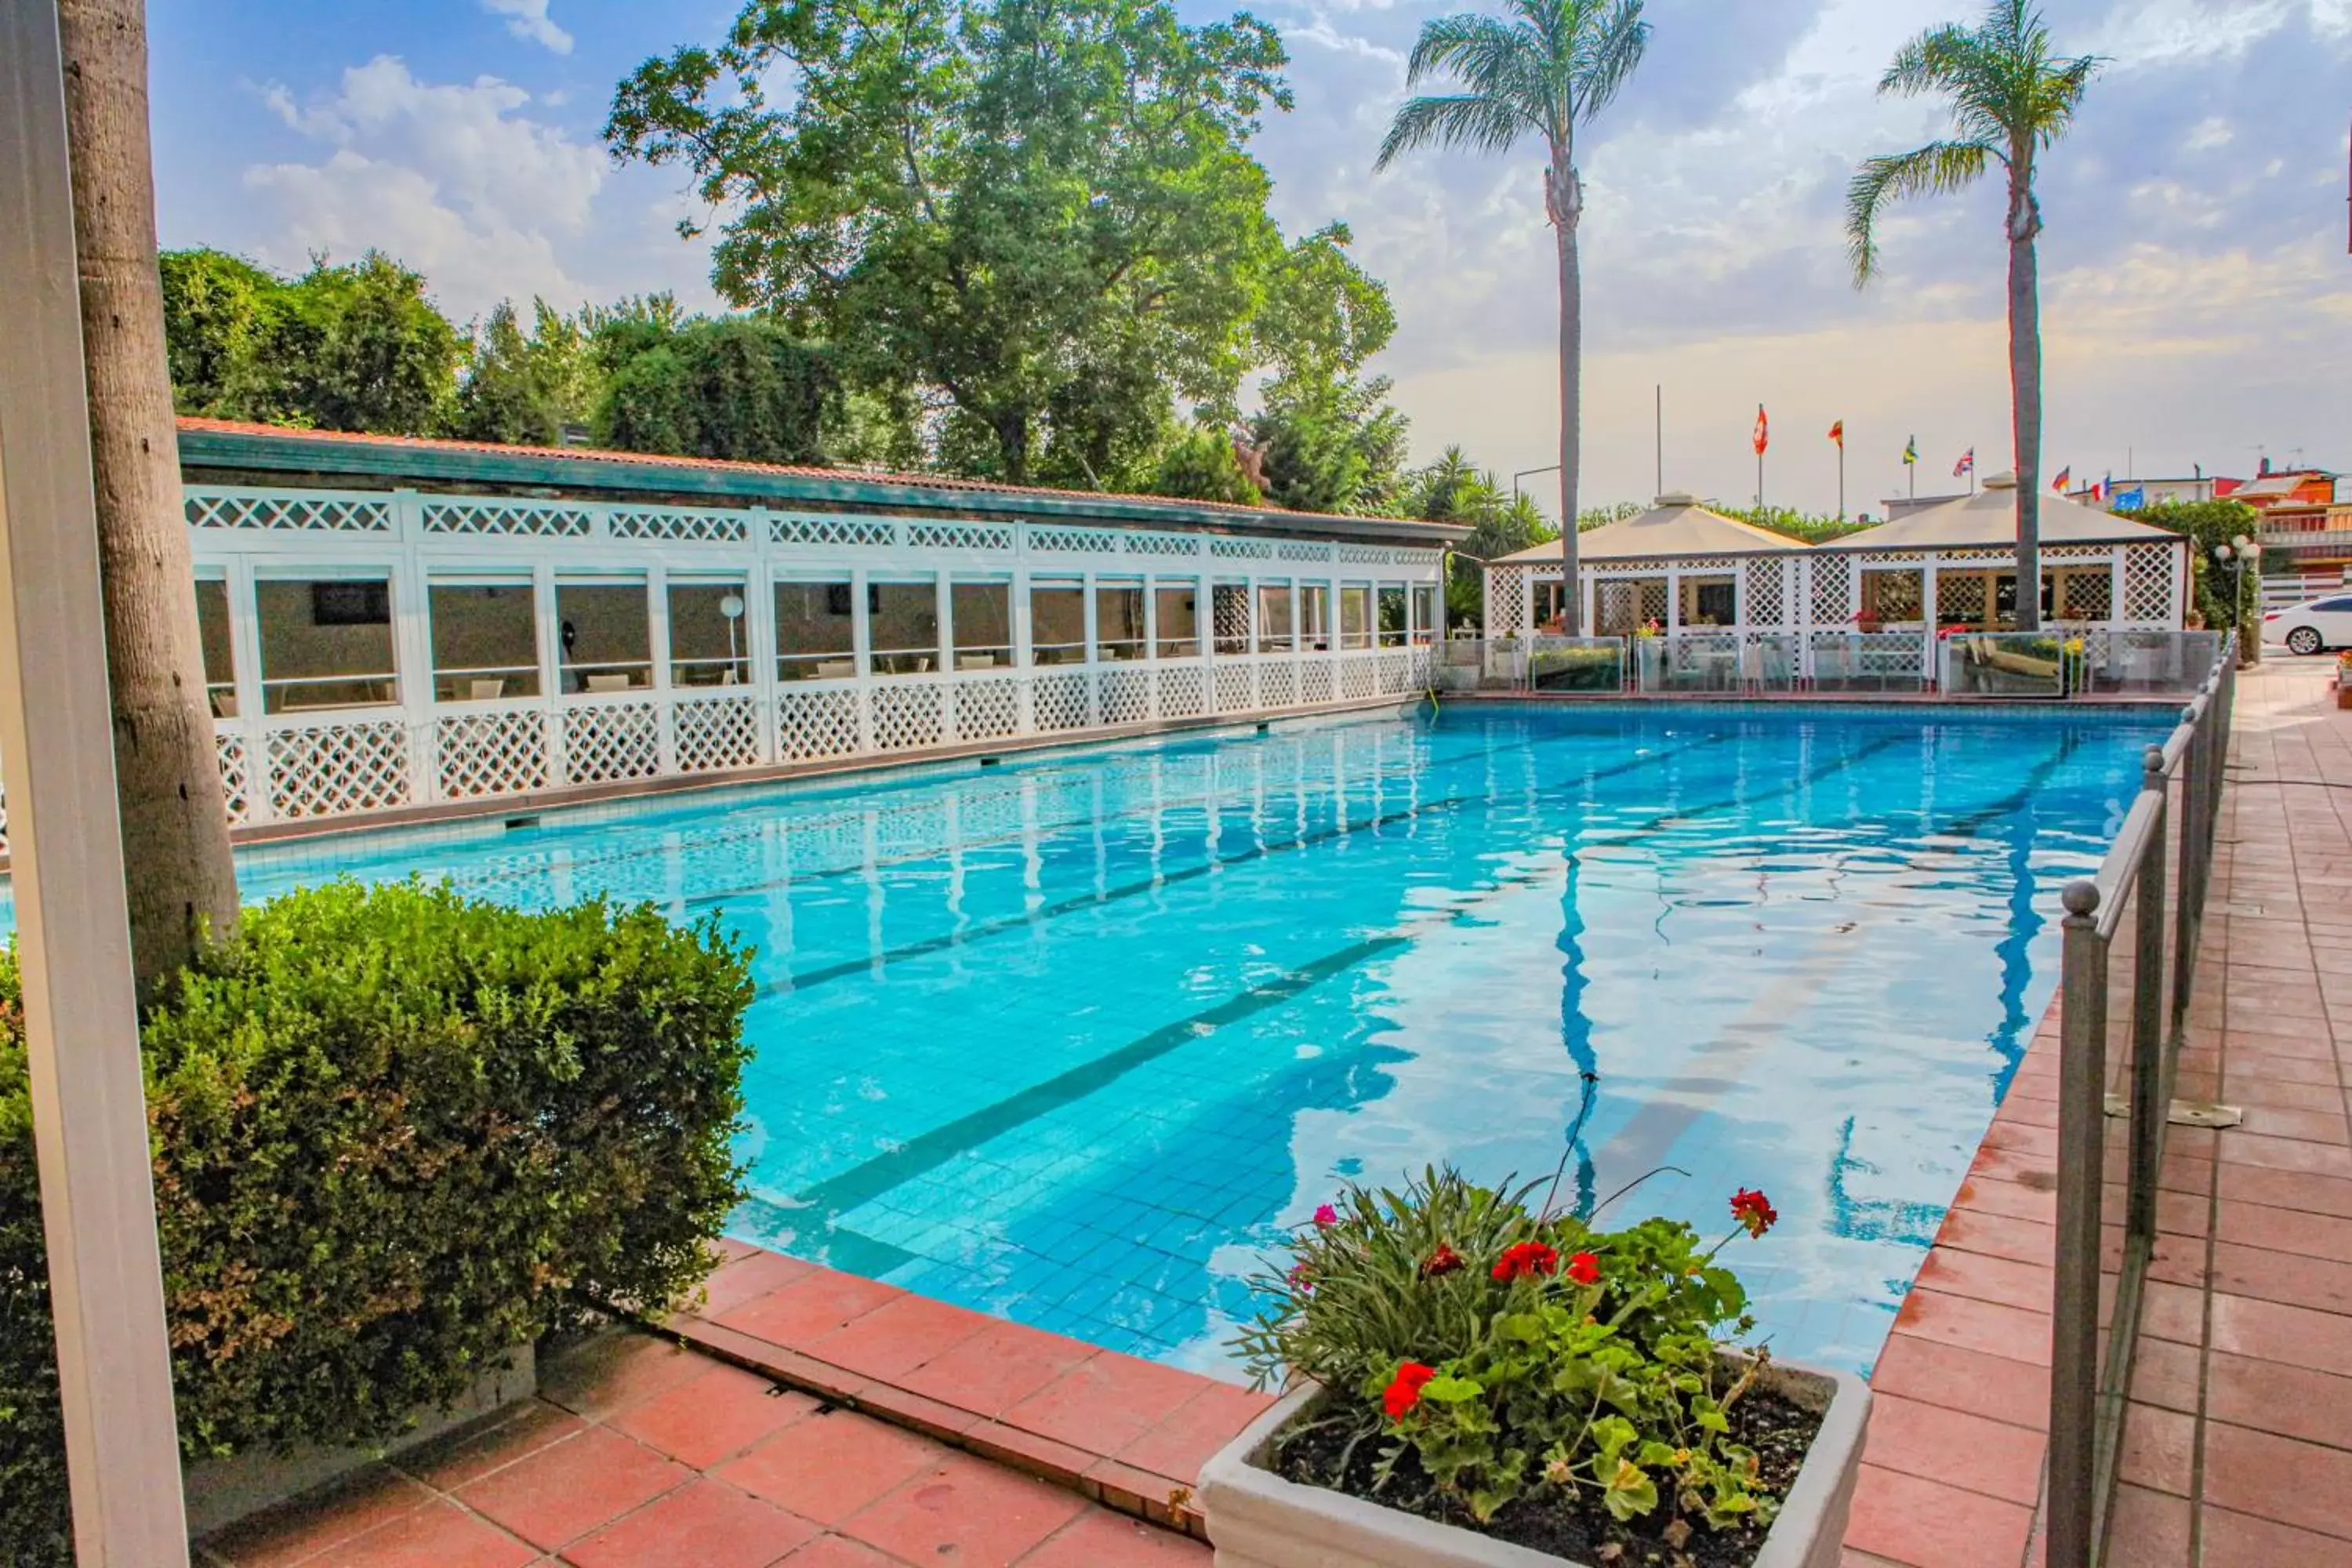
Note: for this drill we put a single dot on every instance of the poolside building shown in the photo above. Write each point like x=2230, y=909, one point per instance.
x=1675, y=566
x=392, y=624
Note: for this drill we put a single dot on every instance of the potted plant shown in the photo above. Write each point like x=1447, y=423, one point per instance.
x=1472, y=1383
x=2344, y=679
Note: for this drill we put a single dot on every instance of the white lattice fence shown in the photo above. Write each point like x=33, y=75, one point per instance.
x=1831, y=597
x=2149, y=580
x=490, y=753
x=486, y=517
x=1277, y=684
x=1314, y=682
x=612, y=740
x=1767, y=603
x=287, y=512
x=987, y=709
x=1182, y=691
x=1358, y=678
x=1064, y=701
x=236, y=778
x=332, y=770
x=1237, y=692
x=711, y=735
x=909, y=716
x=810, y=725
x=1396, y=669
x=1507, y=601
x=1126, y=696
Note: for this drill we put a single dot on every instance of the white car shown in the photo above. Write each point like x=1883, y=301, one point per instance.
x=2313, y=626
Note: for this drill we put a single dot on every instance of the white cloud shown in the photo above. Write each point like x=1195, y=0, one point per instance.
x=529, y=19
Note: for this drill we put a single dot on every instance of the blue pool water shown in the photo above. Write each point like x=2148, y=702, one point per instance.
x=1077, y=1039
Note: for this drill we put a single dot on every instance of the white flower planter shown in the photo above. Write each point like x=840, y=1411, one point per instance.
x=1257, y=1520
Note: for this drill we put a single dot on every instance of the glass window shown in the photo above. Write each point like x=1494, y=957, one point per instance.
x=1393, y=614
x=212, y=631
x=485, y=640
x=904, y=629
x=1356, y=614
x=1119, y=620
x=607, y=635
x=1315, y=616
x=980, y=616
x=1057, y=623
x=1177, y=606
x=1229, y=616
x=326, y=644
x=1274, y=632
x=816, y=631
x=709, y=645
x=1424, y=611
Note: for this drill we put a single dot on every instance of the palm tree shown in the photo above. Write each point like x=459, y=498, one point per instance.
x=2010, y=98
x=167, y=770
x=1541, y=69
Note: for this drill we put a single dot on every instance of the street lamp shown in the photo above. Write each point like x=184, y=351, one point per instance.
x=731, y=607
x=2238, y=554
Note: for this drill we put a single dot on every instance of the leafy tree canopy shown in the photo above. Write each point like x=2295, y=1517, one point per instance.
x=2210, y=523
x=737, y=387
x=1813, y=528
x=1037, y=219
x=525, y=390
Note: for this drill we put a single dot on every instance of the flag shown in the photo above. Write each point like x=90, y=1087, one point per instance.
x=1911, y=451
x=1837, y=433
x=2065, y=477
x=1966, y=465
x=1763, y=431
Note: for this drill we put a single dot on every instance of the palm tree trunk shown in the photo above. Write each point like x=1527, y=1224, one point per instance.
x=166, y=767
x=1566, y=204
x=2025, y=391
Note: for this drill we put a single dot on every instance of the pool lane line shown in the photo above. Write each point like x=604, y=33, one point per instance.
x=927, y=1152
x=1445, y=805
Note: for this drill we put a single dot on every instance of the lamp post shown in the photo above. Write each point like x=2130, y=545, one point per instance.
x=731, y=607
x=2238, y=554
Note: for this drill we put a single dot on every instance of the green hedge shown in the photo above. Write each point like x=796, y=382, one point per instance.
x=396, y=1132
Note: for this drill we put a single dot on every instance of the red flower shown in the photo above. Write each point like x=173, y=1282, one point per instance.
x=1444, y=1260
x=1404, y=1389
x=1584, y=1268
x=1326, y=1218
x=1754, y=1210
x=1299, y=1279
x=1525, y=1259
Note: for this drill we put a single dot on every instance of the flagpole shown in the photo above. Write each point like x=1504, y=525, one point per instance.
x=1662, y=440
x=1841, y=481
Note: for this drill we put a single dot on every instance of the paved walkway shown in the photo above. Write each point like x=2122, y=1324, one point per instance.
x=2238, y=1449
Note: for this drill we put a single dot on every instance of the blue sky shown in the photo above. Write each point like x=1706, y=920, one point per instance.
x=2197, y=296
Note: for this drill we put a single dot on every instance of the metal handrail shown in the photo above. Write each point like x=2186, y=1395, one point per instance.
x=2148, y=866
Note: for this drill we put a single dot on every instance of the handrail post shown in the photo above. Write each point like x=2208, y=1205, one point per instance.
x=2075, y=1314
x=2151, y=1085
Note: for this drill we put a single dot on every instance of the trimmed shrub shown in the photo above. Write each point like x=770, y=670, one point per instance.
x=396, y=1132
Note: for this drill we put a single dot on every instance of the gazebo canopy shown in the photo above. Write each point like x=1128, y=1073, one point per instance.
x=1988, y=520
x=1677, y=526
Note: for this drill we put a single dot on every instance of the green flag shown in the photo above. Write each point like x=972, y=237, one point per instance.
x=1911, y=450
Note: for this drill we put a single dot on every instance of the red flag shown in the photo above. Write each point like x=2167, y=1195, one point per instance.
x=1763, y=431
x=1837, y=433
x=1966, y=465
x=2065, y=477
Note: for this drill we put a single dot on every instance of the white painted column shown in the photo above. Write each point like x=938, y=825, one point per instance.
x=658, y=649
x=81, y=1024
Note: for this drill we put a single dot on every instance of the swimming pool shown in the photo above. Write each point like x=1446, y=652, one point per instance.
x=1076, y=1039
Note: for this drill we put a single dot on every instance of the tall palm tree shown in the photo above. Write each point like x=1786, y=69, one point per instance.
x=1541, y=69
x=2011, y=98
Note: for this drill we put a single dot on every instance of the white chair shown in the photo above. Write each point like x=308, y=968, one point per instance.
x=608, y=683
x=486, y=689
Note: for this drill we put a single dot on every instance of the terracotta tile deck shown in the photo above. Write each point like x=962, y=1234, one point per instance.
x=2238, y=1448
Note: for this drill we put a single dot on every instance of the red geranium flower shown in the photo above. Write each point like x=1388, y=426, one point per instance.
x=1444, y=1260
x=1403, y=1391
x=1299, y=1278
x=1754, y=1210
x=1525, y=1259
x=1326, y=1218
x=1584, y=1268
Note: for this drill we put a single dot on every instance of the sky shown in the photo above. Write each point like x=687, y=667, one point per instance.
x=2196, y=292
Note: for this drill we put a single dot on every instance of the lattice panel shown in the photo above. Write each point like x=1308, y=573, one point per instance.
x=1424, y=669
x=331, y=770
x=4, y=822
x=1833, y=590
x=1062, y=701
x=1768, y=603
x=813, y=724
x=960, y=536
x=1416, y=557
x=719, y=733
x=1301, y=549
x=489, y=753
x=1314, y=682
x=615, y=741
x=1367, y=555
x=909, y=716
x=2149, y=583
x=1237, y=692
x=1893, y=594
x=1358, y=679
x=1277, y=685
x=857, y=533
x=1182, y=692
x=1126, y=696
x=2090, y=596
x=1074, y=540
x=1229, y=616
x=2073, y=552
x=1225, y=547
x=1394, y=671
x=1507, y=601
x=1161, y=544
x=681, y=526
x=287, y=512
x=1959, y=599
x=1653, y=600
x=493, y=517
x=985, y=710
x=236, y=778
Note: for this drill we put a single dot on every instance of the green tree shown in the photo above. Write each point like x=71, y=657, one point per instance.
x=1198, y=464
x=524, y=389
x=2211, y=523
x=223, y=321
x=1813, y=528
x=2011, y=98
x=1454, y=489
x=1331, y=444
x=1551, y=66
x=738, y=387
x=1037, y=218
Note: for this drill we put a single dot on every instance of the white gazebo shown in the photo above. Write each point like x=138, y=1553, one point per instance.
x=1677, y=566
